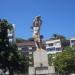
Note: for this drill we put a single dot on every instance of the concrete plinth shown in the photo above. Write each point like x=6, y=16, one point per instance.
x=41, y=66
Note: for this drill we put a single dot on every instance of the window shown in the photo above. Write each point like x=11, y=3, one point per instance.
x=11, y=40
x=72, y=41
x=57, y=43
x=24, y=48
x=19, y=48
x=73, y=44
x=58, y=49
x=51, y=49
x=50, y=44
x=33, y=48
x=30, y=48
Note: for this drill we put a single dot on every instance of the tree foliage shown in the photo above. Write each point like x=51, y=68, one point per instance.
x=65, y=61
x=57, y=36
x=20, y=40
x=10, y=57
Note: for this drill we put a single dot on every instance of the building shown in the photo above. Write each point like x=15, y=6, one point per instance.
x=27, y=47
x=11, y=35
x=72, y=41
x=53, y=46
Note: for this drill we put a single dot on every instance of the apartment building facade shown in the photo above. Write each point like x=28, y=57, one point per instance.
x=72, y=41
x=53, y=46
x=27, y=48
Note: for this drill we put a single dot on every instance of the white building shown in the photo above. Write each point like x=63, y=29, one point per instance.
x=53, y=46
x=72, y=41
x=11, y=35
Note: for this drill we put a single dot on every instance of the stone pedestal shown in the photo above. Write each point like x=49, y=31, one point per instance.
x=41, y=66
x=40, y=58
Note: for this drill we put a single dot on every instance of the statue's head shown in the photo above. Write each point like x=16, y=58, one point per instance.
x=38, y=18
x=37, y=21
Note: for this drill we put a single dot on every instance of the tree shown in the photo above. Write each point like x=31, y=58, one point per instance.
x=18, y=62
x=41, y=36
x=9, y=55
x=4, y=41
x=6, y=50
x=20, y=40
x=31, y=39
x=65, y=61
x=57, y=36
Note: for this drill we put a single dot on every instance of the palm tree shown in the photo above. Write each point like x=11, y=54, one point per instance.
x=57, y=36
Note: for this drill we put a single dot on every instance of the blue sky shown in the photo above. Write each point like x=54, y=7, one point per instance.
x=58, y=16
